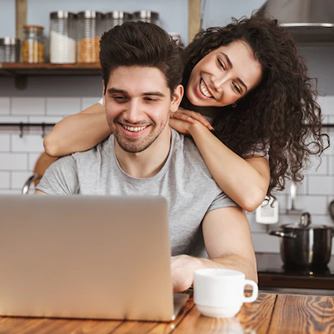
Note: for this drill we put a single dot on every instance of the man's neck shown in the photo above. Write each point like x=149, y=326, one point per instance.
x=149, y=162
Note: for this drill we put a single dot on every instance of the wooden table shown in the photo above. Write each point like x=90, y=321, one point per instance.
x=270, y=314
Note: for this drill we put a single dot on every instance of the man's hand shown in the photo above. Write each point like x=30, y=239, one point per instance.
x=183, y=267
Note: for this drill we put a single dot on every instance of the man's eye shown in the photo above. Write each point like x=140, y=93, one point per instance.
x=221, y=64
x=150, y=99
x=118, y=98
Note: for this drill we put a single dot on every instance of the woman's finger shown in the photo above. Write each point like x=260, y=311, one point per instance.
x=183, y=117
x=196, y=115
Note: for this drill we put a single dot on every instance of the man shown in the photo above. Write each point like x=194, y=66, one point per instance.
x=142, y=70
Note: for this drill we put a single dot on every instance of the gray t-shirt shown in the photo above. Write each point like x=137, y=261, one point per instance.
x=184, y=181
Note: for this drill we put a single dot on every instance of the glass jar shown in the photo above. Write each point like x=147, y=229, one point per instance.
x=9, y=50
x=115, y=18
x=146, y=16
x=89, y=30
x=33, y=47
x=62, y=37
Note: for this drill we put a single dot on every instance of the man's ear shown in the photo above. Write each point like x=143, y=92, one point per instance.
x=176, y=98
x=103, y=93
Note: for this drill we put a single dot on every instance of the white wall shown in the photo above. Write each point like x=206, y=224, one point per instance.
x=49, y=99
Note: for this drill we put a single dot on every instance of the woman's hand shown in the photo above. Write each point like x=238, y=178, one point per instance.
x=182, y=120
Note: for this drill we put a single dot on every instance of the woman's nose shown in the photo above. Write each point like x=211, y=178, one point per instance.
x=218, y=82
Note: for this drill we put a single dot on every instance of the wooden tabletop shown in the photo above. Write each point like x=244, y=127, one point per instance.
x=269, y=314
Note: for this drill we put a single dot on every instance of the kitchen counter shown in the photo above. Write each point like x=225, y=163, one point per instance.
x=273, y=274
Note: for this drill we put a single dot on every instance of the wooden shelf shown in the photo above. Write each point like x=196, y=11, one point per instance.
x=22, y=69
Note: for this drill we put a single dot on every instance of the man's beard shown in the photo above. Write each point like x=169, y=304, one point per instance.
x=132, y=146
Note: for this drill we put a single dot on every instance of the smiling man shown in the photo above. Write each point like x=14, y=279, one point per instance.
x=142, y=70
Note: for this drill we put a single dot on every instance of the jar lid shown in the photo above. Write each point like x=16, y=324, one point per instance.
x=9, y=41
x=146, y=14
x=90, y=14
x=118, y=14
x=33, y=27
x=62, y=14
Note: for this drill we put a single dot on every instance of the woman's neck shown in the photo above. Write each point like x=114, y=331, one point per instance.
x=207, y=111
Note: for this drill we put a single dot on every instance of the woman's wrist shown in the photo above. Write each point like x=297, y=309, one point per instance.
x=197, y=128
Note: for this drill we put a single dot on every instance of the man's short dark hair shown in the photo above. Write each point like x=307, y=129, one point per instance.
x=141, y=44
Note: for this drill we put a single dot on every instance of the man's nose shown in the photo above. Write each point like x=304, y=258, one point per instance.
x=132, y=113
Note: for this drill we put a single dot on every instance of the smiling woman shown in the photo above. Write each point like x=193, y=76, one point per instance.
x=249, y=80
x=224, y=75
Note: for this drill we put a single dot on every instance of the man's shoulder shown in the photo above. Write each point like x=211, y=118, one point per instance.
x=186, y=147
x=184, y=140
x=100, y=149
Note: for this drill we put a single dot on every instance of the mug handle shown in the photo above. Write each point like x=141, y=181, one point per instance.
x=253, y=297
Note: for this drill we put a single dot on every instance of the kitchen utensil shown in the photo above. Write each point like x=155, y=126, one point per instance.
x=43, y=162
x=303, y=244
x=9, y=50
x=331, y=209
x=293, y=196
x=267, y=212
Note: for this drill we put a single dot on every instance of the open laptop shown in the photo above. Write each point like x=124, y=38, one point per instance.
x=101, y=257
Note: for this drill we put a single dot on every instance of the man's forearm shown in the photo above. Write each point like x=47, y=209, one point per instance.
x=234, y=262
x=184, y=266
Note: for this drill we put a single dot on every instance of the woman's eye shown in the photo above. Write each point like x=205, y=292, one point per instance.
x=221, y=64
x=236, y=88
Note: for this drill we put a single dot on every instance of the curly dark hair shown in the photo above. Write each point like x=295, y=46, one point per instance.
x=280, y=113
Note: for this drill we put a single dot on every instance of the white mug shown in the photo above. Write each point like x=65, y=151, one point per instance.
x=219, y=293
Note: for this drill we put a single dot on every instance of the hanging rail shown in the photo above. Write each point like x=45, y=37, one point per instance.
x=22, y=125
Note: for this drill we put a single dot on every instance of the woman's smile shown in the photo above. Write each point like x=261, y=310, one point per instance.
x=204, y=89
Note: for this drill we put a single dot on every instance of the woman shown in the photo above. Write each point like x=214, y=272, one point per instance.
x=248, y=79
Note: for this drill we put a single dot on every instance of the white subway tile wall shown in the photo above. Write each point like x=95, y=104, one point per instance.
x=18, y=156
x=62, y=106
x=28, y=106
x=89, y=101
x=28, y=143
x=44, y=119
x=4, y=105
x=4, y=142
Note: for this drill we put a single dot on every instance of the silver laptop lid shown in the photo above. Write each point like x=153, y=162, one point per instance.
x=85, y=257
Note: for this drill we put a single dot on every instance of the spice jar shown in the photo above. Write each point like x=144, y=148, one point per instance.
x=9, y=50
x=33, y=48
x=62, y=37
x=146, y=16
x=115, y=18
x=89, y=29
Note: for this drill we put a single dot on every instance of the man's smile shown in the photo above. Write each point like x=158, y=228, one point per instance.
x=133, y=129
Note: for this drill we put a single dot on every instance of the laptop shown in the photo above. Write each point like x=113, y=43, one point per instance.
x=96, y=257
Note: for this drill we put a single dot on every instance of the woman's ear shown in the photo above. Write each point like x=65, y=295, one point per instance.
x=176, y=98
